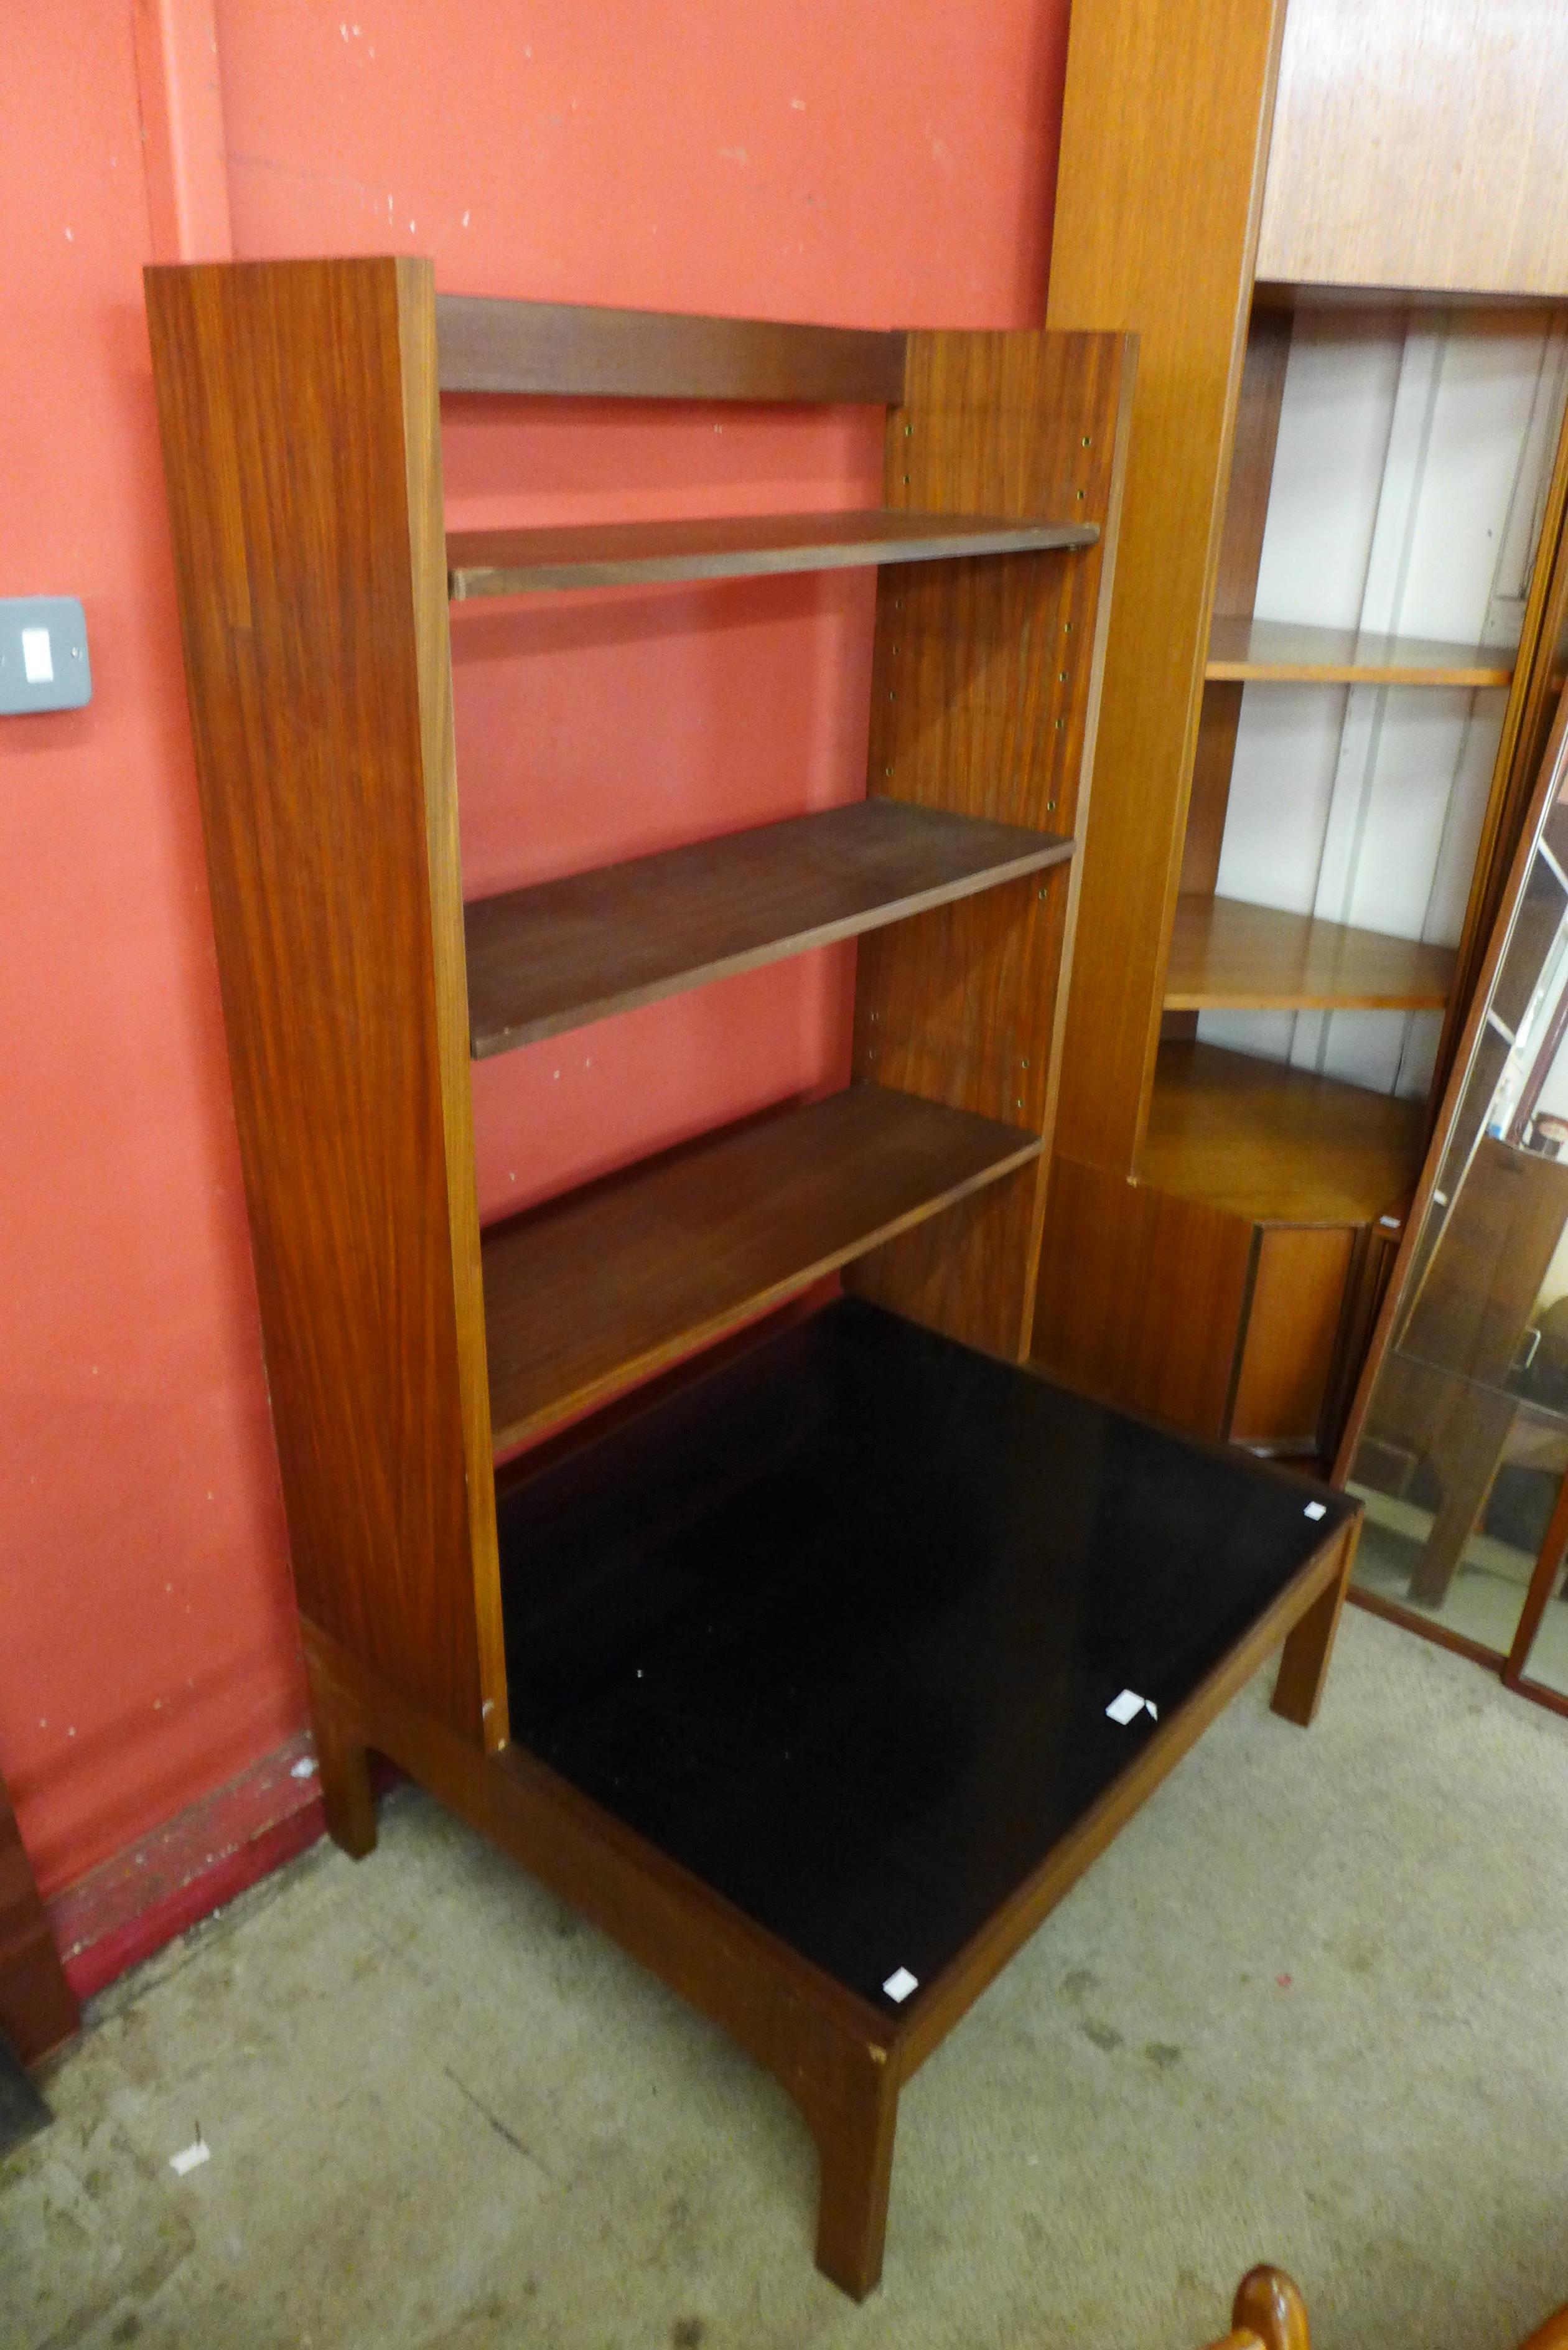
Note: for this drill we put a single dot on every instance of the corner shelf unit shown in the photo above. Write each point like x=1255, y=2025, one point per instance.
x=1247, y=1315
x=298, y=405
x=1293, y=652
x=1227, y=955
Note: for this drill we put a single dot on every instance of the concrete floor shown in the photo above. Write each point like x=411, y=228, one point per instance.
x=1310, y=2007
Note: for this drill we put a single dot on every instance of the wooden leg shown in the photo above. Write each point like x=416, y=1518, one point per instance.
x=344, y=1783
x=854, y=2140
x=1303, y=1660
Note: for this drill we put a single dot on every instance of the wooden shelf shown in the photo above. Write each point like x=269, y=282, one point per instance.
x=837, y=1628
x=1289, y=651
x=568, y=952
x=733, y=547
x=1227, y=955
x=1258, y=1138
x=591, y=1292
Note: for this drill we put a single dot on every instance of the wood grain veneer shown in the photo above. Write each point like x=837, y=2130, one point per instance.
x=1261, y=1138
x=564, y=953
x=985, y=702
x=730, y=546
x=303, y=493
x=1164, y=137
x=1300, y=1279
x=1225, y=953
x=486, y=345
x=1420, y=145
x=1290, y=652
x=1213, y=1290
x=601, y=1288
x=1142, y=1296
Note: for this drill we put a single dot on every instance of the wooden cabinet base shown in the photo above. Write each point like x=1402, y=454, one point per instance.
x=1225, y=1324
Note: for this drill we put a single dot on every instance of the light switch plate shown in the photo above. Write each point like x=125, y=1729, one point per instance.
x=43, y=654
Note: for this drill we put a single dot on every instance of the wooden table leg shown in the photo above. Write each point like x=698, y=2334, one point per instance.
x=855, y=2141
x=1466, y=1461
x=1303, y=1659
x=344, y=1766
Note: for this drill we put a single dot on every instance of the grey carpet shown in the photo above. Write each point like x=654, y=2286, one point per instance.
x=1309, y=2008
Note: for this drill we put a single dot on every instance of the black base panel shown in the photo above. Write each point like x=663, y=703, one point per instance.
x=23, y=2113
x=837, y=1626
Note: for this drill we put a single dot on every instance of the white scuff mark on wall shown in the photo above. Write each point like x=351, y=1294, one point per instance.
x=734, y=154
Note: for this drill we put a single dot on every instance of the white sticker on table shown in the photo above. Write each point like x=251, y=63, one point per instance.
x=1128, y=1706
x=900, y=1983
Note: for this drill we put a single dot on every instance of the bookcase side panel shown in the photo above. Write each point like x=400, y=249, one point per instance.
x=985, y=700
x=281, y=413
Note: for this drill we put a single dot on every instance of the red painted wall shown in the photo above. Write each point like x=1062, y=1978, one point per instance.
x=843, y=160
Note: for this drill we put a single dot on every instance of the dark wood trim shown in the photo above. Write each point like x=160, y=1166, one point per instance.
x=1406, y=1618
x=578, y=349
x=1539, y=1694
x=1542, y=1582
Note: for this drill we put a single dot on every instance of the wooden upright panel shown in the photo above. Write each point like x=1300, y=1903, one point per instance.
x=1420, y=142
x=1258, y=403
x=296, y=402
x=985, y=696
x=1164, y=139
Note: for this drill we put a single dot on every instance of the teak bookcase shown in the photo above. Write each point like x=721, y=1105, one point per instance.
x=298, y=404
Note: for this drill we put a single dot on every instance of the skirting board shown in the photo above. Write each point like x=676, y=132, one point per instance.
x=131, y=1906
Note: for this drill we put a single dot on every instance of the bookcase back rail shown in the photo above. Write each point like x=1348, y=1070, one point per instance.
x=297, y=408
x=576, y=348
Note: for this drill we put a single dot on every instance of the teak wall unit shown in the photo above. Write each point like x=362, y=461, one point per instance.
x=623, y=1633
x=1219, y=1224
